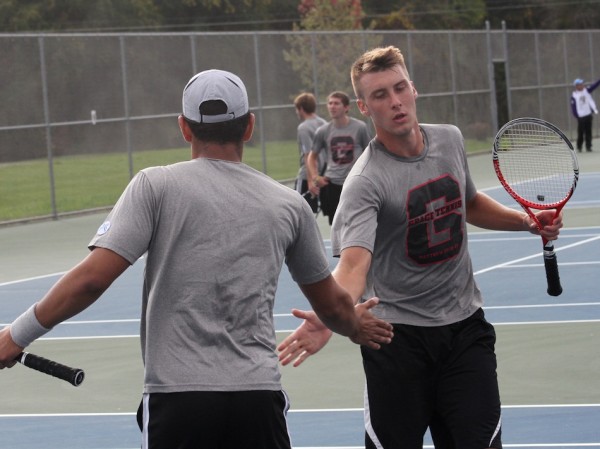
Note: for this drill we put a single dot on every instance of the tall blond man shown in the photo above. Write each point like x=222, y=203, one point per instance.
x=400, y=232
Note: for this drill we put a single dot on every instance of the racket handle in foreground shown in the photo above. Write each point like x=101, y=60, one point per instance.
x=554, y=287
x=74, y=376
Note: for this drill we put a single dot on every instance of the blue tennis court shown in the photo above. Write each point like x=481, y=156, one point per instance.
x=548, y=352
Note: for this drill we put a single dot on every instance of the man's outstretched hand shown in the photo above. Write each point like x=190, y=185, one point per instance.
x=312, y=335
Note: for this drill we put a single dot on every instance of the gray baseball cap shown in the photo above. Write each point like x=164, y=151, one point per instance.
x=214, y=85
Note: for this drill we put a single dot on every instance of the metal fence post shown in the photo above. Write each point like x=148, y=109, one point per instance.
x=126, y=105
x=44, y=75
x=491, y=78
x=507, y=70
x=313, y=53
x=260, y=105
x=453, y=76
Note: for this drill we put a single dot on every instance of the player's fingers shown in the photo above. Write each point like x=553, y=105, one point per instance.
x=287, y=341
x=384, y=335
x=7, y=364
x=300, y=359
x=286, y=357
x=302, y=314
x=370, y=303
x=297, y=356
x=373, y=345
x=290, y=349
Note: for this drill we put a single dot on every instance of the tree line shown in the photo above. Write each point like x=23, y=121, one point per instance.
x=247, y=15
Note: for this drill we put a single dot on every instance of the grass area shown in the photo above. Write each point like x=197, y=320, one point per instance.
x=91, y=181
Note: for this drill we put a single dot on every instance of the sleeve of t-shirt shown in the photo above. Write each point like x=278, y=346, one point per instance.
x=355, y=222
x=470, y=188
x=128, y=228
x=319, y=143
x=305, y=141
x=306, y=258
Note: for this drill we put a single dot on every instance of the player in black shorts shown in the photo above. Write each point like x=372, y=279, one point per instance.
x=213, y=248
x=212, y=419
x=400, y=232
x=448, y=376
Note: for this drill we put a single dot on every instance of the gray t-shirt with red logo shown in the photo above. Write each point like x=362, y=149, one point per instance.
x=410, y=213
x=343, y=147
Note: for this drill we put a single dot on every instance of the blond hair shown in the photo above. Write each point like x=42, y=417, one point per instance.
x=375, y=60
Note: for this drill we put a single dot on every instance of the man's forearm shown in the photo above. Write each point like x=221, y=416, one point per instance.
x=311, y=167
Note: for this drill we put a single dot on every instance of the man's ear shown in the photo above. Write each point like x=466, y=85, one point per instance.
x=415, y=93
x=362, y=107
x=249, y=128
x=186, y=132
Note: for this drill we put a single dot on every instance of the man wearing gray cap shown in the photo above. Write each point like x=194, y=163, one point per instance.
x=583, y=108
x=215, y=233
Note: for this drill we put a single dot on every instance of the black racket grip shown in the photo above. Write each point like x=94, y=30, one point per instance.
x=551, y=264
x=74, y=376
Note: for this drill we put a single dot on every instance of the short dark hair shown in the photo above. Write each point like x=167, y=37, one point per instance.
x=307, y=102
x=340, y=95
x=222, y=132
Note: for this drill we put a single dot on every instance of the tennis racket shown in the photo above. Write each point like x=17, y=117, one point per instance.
x=74, y=376
x=536, y=164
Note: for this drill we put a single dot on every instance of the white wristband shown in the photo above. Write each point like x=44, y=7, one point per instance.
x=26, y=328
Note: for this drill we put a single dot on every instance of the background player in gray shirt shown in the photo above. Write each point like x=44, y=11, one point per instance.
x=216, y=234
x=400, y=232
x=306, y=107
x=342, y=140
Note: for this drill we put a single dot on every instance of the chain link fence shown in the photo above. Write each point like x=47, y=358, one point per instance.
x=82, y=113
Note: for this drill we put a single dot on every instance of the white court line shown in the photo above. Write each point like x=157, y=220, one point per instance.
x=512, y=262
x=327, y=242
x=533, y=323
x=562, y=264
x=521, y=406
x=128, y=320
x=35, y=278
x=541, y=306
x=512, y=445
x=307, y=410
x=289, y=331
x=542, y=445
x=64, y=415
x=91, y=337
x=475, y=239
x=289, y=315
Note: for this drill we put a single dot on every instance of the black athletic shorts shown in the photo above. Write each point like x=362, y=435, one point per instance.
x=330, y=198
x=206, y=419
x=313, y=201
x=442, y=378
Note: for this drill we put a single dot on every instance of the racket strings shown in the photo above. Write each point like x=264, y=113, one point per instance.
x=536, y=163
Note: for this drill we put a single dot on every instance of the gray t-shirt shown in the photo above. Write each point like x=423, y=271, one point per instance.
x=216, y=235
x=410, y=214
x=343, y=146
x=306, y=135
